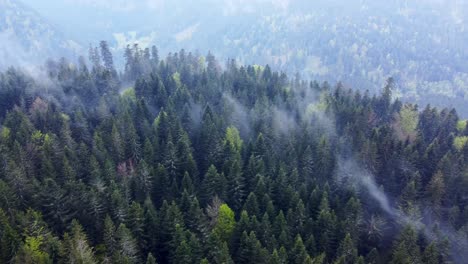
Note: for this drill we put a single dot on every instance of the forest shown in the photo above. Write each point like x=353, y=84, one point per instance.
x=185, y=159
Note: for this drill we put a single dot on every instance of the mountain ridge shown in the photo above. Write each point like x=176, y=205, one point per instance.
x=28, y=38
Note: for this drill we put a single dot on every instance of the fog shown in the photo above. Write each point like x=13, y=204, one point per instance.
x=352, y=175
x=358, y=42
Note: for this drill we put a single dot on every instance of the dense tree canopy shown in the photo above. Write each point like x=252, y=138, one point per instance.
x=182, y=160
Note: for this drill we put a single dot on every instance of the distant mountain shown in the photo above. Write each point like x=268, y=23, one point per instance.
x=421, y=43
x=26, y=38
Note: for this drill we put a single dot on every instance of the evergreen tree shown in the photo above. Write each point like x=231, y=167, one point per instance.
x=347, y=252
x=407, y=250
x=150, y=259
x=77, y=249
x=298, y=252
x=127, y=246
x=162, y=169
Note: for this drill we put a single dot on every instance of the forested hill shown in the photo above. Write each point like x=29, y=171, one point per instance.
x=183, y=161
x=27, y=38
x=358, y=42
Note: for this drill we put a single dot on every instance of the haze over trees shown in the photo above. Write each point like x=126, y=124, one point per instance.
x=180, y=160
x=421, y=43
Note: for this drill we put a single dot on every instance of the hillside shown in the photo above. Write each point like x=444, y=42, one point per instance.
x=420, y=43
x=28, y=39
x=190, y=163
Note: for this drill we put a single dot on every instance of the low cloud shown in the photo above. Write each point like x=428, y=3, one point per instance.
x=187, y=33
x=240, y=115
x=352, y=175
x=129, y=38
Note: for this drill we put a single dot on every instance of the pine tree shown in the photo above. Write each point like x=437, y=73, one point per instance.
x=219, y=252
x=298, y=252
x=150, y=259
x=214, y=184
x=9, y=239
x=276, y=258
x=127, y=246
x=347, y=252
x=151, y=227
x=236, y=186
x=431, y=255
x=180, y=251
x=77, y=249
x=109, y=236
x=136, y=222
x=31, y=253
x=436, y=189
x=171, y=218
x=406, y=250
x=251, y=205
x=250, y=249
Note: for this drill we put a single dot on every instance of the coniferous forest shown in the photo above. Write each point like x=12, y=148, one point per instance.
x=190, y=160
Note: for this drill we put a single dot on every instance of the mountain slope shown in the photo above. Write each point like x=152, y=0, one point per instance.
x=236, y=166
x=361, y=43
x=28, y=38
x=420, y=43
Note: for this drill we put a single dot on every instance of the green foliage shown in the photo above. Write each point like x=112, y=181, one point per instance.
x=161, y=172
x=436, y=188
x=406, y=249
x=77, y=249
x=127, y=249
x=225, y=223
x=250, y=249
x=347, y=252
x=461, y=125
x=31, y=252
x=320, y=259
x=151, y=259
x=460, y=142
x=409, y=119
x=298, y=253
x=176, y=77
x=406, y=122
x=6, y=133
x=9, y=239
x=233, y=139
x=129, y=94
x=431, y=255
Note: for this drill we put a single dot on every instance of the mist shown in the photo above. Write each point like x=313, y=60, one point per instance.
x=92, y=76
x=351, y=175
x=323, y=40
